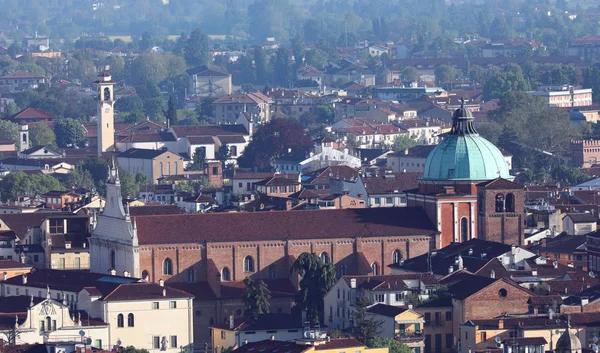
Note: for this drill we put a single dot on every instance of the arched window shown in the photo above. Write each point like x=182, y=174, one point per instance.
x=113, y=260
x=248, y=264
x=130, y=320
x=341, y=270
x=397, y=257
x=191, y=275
x=161, y=169
x=509, y=204
x=225, y=274
x=272, y=272
x=374, y=269
x=499, y=203
x=120, y=322
x=106, y=94
x=325, y=257
x=168, y=267
x=145, y=275
x=464, y=229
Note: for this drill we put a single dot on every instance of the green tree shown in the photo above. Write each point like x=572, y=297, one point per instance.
x=256, y=298
x=591, y=79
x=9, y=130
x=222, y=155
x=391, y=344
x=476, y=74
x=366, y=328
x=272, y=140
x=42, y=135
x=129, y=186
x=510, y=80
x=80, y=178
x=199, y=160
x=11, y=109
x=196, y=50
x=410, y=73
x=260, y=64
x=171, y=113
x=403, y=142
x=444, y=73
x=69, y=132
x=317, y=278
x=19, y=183
x=281, y=67
x=141, y=178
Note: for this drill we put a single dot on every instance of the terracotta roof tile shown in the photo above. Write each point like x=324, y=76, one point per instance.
x=283, y=225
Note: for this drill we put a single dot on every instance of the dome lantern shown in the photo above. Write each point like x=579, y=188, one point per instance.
x=463, y=155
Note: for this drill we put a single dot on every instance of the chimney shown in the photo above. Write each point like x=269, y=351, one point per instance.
x=231, y=322
x=4, y=276
x=25, y=279
x=272, y=337
x=303, y=316
x=126, y=274
x=500, y=324
x=112, y=272
x=353, y=283
x=164, y=292
x=585, y=301
x=405, y=151
x=246, y=341
x=161, y=282
x=450, y=269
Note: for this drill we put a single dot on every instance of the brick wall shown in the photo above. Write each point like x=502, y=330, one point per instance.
x=504, y=227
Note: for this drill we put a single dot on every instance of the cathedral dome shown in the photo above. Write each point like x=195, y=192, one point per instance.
x=568, y=343
x=464, y=155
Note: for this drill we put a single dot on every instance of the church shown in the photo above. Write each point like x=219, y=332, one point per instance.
x=467, y=190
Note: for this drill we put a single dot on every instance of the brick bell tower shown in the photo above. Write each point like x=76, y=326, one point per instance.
x=106, y=113
x=501, y=211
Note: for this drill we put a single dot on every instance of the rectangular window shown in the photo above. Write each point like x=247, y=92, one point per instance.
x=448, y=315
x=61, y=264
x=174, y=341
x=388, y=201
x=156, y=342
x=438, y=319
x=57, y=226
x=173, y=304
x=399, y=297
x=215, y=170
x=427, y=319
x=483, y=336
x=77, y=263
x=155, y=305
x=379, y=298
x=98, y=344
x=449, y=340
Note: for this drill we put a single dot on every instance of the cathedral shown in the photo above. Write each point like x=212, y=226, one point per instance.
x=467, y=190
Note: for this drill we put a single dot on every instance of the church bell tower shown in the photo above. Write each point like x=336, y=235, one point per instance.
x=106, y=113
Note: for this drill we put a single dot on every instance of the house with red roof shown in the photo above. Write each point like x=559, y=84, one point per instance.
x=31, y=116
x=22, y=80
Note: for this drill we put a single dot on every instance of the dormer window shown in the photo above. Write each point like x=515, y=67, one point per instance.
x=67, y=245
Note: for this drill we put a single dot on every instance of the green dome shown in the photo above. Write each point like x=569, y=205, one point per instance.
x=464, y=155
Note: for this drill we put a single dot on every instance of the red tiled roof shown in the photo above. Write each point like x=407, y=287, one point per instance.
x=211, y=130
x=339, y=343
x=10, y=264
x=21, y=74
x=155, y=210
x=391, y=183
x=144, y=291
x=32, y=113
x=283, y=225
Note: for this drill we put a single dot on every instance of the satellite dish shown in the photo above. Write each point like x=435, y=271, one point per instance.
x=557, y=332
x=88, y=341
x=81, y=333
x=592, y=274
x=307, y=334
x=497, y=339
x=118, y=342
x=595, y=339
